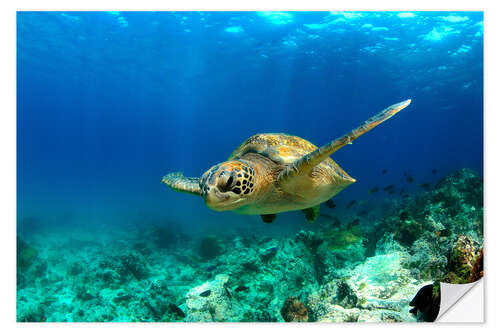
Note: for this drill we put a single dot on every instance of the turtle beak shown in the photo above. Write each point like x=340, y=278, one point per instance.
x=215, y=199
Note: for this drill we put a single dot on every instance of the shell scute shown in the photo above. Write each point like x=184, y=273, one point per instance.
x=279, y=147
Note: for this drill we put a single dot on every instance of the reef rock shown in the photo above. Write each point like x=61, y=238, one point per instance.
x=294, y=310
x=377, y=290
x=462, y=259
x=211, y=301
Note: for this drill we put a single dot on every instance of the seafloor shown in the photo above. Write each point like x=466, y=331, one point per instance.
x=367, y=269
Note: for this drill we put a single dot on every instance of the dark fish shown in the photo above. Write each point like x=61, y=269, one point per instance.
x=389, y=187
x=330, y=204
x=425, y=186
x=406, y=196
x=373, y=190
x=391, y=192
x=241, y=288
x=363, y=213
x=409, y=179
x=350, y=204
x=210, y=268
x=175, y=309
x=402, y=191
x=434, y=171
x=206, y=293
x=384, y=171
x=424, y=302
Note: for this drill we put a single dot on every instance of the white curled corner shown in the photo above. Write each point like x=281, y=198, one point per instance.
x=462, y=303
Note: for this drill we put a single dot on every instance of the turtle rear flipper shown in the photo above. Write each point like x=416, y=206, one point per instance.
x=307, y=162
x=180, y=183
x=268, y=218
x=311, y=213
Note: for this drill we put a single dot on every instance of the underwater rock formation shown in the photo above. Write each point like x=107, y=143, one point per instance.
x=26, y=254
x=294, y=310
x=477, y=270
x=211, y=301
x=377, y=290
x=463, y=258
x=26, y=257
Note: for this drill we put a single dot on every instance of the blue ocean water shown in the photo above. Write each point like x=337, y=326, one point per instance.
x=110, y=102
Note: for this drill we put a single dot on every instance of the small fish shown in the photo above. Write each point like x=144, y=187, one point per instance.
x=402, y=191
x=272, y=249
x=175, y=309
x=228, y=293
x=384, y=171
x=206, y=293
x=409, y=179
x=363, y=213
x=391, y=192
x=388, y=187
x=330, y=204
x=241, y=288
x=373, y=190
x=350, y=204
x=406, y=196
x=434, y=171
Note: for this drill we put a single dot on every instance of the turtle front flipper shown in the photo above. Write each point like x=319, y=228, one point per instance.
x=180, y=183
x=309, y=161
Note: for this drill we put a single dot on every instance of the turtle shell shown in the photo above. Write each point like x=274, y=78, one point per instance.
x=283, y=149
x=279, y=147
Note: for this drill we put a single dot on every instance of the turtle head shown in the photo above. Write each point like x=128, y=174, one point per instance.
x=228, y=185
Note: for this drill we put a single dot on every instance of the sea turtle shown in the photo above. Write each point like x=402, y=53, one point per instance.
x=274, y=173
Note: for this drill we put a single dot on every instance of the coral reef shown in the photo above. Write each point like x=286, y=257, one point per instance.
x=477, y=270
x=462, y=258
x=365, y=268
x=294, y=310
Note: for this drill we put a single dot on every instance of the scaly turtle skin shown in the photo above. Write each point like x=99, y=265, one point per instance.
x=274, y=173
